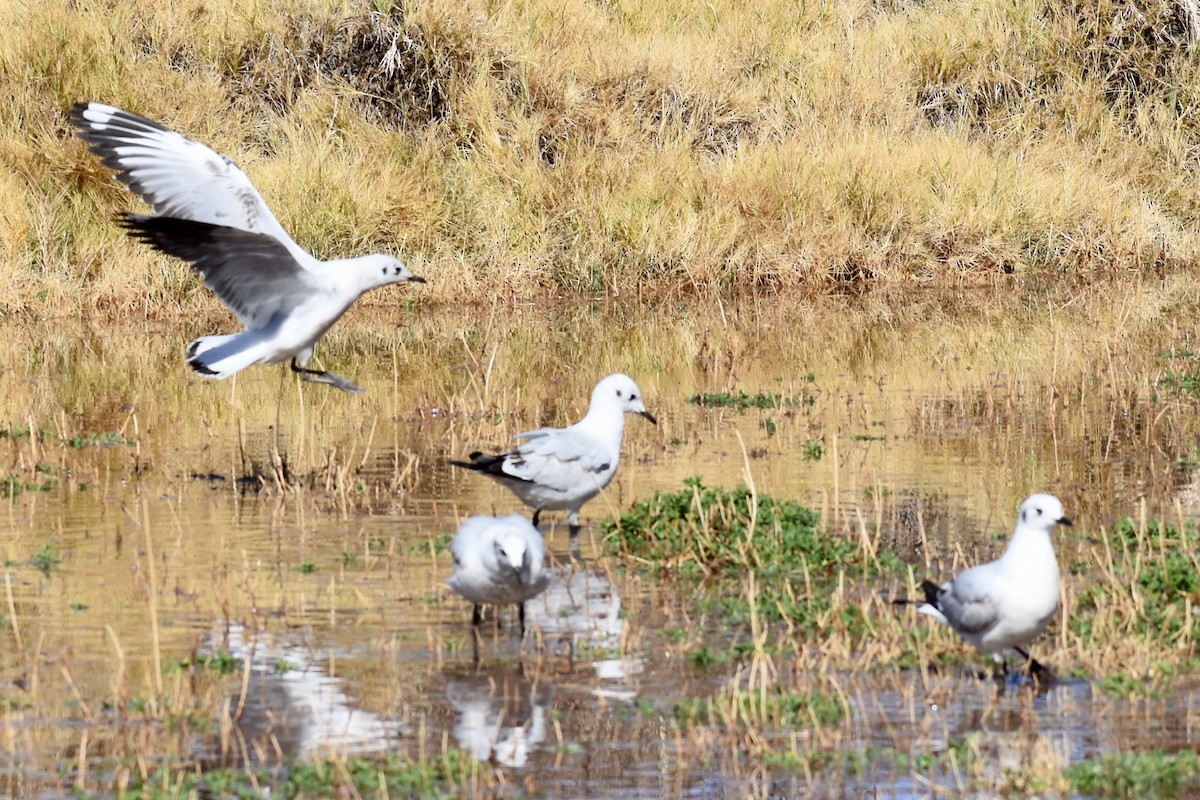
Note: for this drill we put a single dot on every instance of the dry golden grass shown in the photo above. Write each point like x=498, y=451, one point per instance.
x=636, y=148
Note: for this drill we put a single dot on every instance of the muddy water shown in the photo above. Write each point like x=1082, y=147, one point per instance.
x=157, y=520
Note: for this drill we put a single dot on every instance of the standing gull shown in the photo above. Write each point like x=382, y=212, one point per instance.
x=498, y=561
x=563, y=468
x=1010, y=601
x=210, y=215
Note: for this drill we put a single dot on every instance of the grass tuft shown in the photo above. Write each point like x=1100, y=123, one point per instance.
x=1151, y=774
x=721, y=538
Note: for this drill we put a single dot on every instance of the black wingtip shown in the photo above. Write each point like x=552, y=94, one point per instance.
x=477, y=460
x=75, y=113
x=199, y=366
x=930, y=590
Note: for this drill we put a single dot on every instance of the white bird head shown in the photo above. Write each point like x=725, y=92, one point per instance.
x=511, y=551
x=1042, y=511
x=389, y=270
x=619, y=391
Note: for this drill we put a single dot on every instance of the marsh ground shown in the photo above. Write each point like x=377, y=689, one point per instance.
x=250, y=574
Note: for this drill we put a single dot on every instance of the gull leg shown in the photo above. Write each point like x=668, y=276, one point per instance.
x=1037, y=670
x=1000, y=668
x=476, y=621
x=321, y=376
x=573, y=532
x=522, y=617
x=537, y=512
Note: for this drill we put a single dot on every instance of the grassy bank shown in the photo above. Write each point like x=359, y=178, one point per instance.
x=639, y=148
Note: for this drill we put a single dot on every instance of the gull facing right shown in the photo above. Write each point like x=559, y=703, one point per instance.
x=210, y=215
x=563, y=468
x=1010, y=601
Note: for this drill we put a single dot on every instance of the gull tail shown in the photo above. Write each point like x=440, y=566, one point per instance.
x=929, y=605
x=485, y=463
x=219, y=357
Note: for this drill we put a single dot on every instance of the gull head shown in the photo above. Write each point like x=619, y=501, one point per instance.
x=619, y=391
x=511, y=551
x=391, y=270
x=1042, y=511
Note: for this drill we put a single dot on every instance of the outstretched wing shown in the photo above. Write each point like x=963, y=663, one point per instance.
x=177, y=176
x=252, y=273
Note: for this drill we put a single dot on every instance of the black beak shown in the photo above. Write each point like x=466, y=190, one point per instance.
x=416, y=279
x=648, y=416
x=1065, y=521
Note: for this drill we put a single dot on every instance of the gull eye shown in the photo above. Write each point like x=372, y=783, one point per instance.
x=620, y=393
x=385, y=270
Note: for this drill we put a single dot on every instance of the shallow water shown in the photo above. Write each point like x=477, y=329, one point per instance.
x=166, y=536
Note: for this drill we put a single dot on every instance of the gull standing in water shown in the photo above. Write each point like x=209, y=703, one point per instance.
x=563, y=468
x=1010, y=601
x=210, y=215
x=498, y=561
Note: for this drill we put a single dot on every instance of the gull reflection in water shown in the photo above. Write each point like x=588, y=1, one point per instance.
x=291, y=708
x=581, y=611
x=501, y=714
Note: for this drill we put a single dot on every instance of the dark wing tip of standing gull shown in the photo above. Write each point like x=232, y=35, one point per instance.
x=931, y=591
x=479, y=461
x=492, y=465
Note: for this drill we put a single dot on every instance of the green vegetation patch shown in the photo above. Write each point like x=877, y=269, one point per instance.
x=1136, y=775
x=725, y=540
x=14, y=485
x=221, y=663
x=388, y=776
x=741, y=400
x=779, y=707
x=1154, y=582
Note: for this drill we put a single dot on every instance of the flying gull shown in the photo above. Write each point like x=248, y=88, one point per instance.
x=208, y=213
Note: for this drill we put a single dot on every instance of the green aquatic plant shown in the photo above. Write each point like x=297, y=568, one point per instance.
x=728, y=540
x=1148, y=590
x=1181, y=382
x=1123, y=686
x=94, y=440
x=221, y=663
x=777, y=708
x=386, y=776
x=46, y=559
x=1136, y=774
x=14, y=485
x=741, y=400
